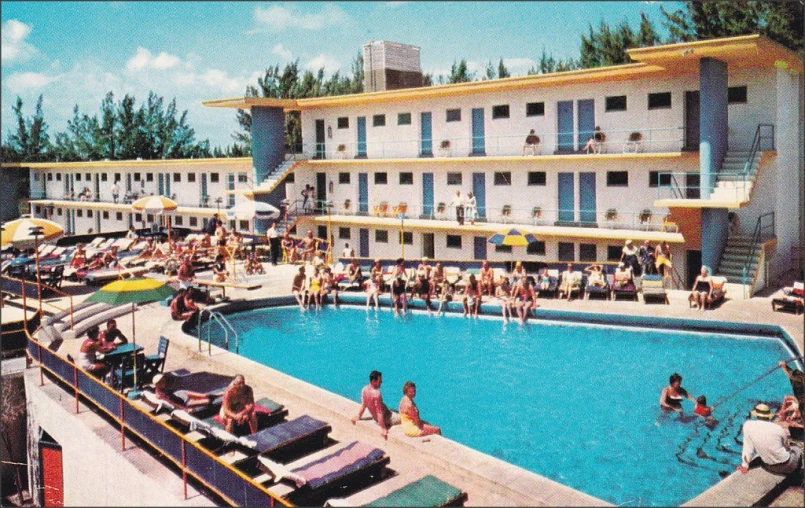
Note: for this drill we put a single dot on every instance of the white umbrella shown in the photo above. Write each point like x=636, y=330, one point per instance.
x=250, y=209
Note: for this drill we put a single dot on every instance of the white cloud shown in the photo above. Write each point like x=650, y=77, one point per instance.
x=277, y=18
x=281, y=52
x=22, y=82
x=145, y=59
x=518, y=66
x=14, y=47
x=329, y=63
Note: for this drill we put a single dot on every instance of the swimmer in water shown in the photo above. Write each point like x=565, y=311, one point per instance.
x=672, y=395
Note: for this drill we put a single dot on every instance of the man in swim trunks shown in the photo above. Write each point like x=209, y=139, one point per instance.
x=398, y=296
x=487, y=278
x=372, y=399
x=298, y=287
x=672, y=395
x=354, y=272
x=238, y=405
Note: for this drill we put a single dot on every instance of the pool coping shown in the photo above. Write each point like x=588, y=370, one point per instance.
x=735, y=490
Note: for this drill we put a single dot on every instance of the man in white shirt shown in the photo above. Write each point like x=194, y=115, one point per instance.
x=348, y=251
x=274, y=241
x=458, y=202
x=115, y=191
x=769, y=441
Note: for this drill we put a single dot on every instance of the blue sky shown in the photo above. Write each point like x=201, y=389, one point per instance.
x=75, y=52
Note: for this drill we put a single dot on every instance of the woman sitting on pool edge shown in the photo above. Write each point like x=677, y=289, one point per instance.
x=409, y=415
x=672, y=395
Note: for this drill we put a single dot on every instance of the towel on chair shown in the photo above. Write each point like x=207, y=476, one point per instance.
x=278, y=471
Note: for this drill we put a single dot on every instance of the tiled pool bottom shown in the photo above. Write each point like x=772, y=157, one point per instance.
x=573, y=403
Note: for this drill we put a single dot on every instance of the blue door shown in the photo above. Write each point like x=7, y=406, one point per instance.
x=128, y=182
x=363, y=193
x=204, y=198
x=361, y=138
x=426, y=136
x=363, y=246
x=479, y=250
x=427, y=195
x=161, y=184
x=479, y=191
x=587, y=198
x=566, y=195
x=478, y=146
x=168, y=185
x=564, y=126
x=586, y=120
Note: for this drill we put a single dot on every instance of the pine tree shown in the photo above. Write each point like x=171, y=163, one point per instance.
x=503, y=72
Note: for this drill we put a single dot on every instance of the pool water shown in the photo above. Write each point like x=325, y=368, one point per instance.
x=578, y=404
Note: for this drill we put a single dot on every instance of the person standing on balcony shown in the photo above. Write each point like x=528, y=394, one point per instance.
x=458, y=202
x=531, y=142
x=471, y=208
x=115, y=191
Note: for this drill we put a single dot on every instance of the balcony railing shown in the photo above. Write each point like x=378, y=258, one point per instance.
x=645, y=220
x=689, y=186
x=203, y=202
x=631, y=140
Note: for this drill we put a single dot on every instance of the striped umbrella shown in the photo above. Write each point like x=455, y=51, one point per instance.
x=154, y=204
x=18, y=232
x=513, y=238
x=135, y=290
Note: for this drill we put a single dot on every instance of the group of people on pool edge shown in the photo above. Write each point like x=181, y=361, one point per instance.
x=762, y=437
x=407, y=417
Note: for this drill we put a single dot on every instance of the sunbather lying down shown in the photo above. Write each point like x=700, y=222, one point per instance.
x=186, y=400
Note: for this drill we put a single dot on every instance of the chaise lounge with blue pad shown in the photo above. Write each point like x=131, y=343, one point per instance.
x=596, y=291
x=629, y=291
x=405, y=490
x=653, y=289
x=552, y=287
x=790, y=298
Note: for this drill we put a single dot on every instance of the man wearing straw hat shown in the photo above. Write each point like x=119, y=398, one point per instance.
x=769, y=441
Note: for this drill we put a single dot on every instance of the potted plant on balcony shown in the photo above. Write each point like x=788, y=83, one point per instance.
x=444, y=148
x=347, y=204
x=341, y=151
x=634, y=143
x=645, y=216
x=441, y=207
x=611, y=214
x=536, y=212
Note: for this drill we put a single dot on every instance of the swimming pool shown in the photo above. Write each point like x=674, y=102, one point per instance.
x=574, y=403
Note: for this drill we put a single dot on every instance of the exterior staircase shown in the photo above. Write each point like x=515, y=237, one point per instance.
x=736, y=177
x=739, y=248
x=273, y=179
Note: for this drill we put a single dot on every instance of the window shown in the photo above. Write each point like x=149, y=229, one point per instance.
x=342, y=122
x=407, y=238
x=150, y=217
x=381, y=236
x=104, y=177
x=501, y=111
x=50, y=177
x=291, y=178
x=614, y=252
x=37, y=210
x=243, y=225
x=79, y=213
x=453, y=115
x=403, y=118
x=321, y=232
x=36, y=177
x=177, y=221
x=137, y=177
x=406, y=178
x=659, y=100
x=78, y=177
x=117, y=177
x=587, y=252
x=736, y=95
x=503, y=177
x=503, y=248
x=617, y=178
x=343, y=178
x=536, y=178
x=616, y=103
x=453, y=241
x=105, y=215
x=193, y=222
x=191, y=177
x=537, y=248
x=215, y=178
x=379, y=121
x=58, y=177
x=535, y=109
x=177, y=177
x=58, y=211
x=89, y=213
x=87, y=176
x=655, y=180
x=381, y=178
x=344, y=233
x=149, y=177
x=453, y=178
x=138, y=217
x=567, y=251
x=243, y=178
x=119, y=216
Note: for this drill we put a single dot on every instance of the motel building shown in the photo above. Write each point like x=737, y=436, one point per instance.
x=702, y=149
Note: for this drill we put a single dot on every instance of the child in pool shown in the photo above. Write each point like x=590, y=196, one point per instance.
x=702, y=409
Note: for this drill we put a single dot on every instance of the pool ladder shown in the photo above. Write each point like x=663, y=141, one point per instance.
x=223, y=323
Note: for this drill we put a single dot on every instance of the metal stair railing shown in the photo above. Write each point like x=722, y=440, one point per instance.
x=753, y=151
x=755, y=244
x=223, y=323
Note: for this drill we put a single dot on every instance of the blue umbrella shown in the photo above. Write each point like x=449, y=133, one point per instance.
x=513, y=238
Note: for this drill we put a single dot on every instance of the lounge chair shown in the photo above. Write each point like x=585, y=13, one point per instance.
x=408, y=489
x=97, y=277
x=718, y=293
x=597, y=291
x=552, y=288
x=629, y=291
x=347, y=467
x=790, y=298
x=577, y=285
x=652, y=289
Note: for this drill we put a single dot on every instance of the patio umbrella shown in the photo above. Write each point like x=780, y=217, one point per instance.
x=513, y=238
x=17, y=233
x=134, y=291
x=251, y=209
x=155, y=205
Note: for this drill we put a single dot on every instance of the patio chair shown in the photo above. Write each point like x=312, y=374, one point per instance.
x=54, y=277
x=576, y=287
x=790, y=298
x=348, y=467
x=653, y=289
x=155, y=364
x=552, y=288
x=597, y=291
x=629, y=291
x=124, y=375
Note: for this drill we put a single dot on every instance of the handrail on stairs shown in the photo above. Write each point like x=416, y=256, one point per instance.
x=223, y=323
x=757, y=238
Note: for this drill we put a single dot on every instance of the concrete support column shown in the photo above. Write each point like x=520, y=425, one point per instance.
x=715, y=229
x=713, y=120
x=268, y=141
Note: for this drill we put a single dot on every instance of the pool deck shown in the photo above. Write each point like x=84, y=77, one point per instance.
x=488, y=480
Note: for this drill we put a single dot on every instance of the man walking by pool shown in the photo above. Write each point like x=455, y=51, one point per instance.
x=769, y=441
x=372, y=400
